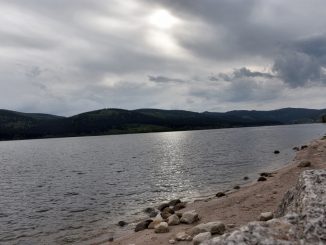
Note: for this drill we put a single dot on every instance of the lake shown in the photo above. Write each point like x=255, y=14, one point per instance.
x=74, y=190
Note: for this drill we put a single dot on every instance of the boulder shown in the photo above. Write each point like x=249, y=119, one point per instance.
x=220, y=194
x=266, y=216
x=276, y=152
x=296, y=148
x=172, y=241
x=304, y=164
x=216, y=227
x=201, y=237
x=261, y=178
x=173, y=220
x=151, y=212
x=245, y=178
x=237, y=187
x=174, y=202
x=163, y=206
x=143, y=225
x=183, y=236
x=179, y=206
x=189, y=217
x=162, y=227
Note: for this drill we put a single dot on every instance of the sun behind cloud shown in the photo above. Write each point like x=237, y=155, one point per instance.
x=162, y=19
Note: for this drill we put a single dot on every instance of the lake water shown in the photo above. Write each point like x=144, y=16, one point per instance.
x=73, y=190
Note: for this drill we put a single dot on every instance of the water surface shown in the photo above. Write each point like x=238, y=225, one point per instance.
x=71, y=190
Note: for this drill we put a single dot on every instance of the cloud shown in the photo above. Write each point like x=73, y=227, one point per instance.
x=163, y=79
x=66, y=57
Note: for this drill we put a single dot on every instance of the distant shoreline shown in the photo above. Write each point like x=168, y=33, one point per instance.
x=240, y=206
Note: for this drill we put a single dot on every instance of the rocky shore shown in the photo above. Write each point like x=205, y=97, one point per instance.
x=283, y=207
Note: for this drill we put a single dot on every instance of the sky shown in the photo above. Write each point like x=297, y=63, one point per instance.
x=67, y=57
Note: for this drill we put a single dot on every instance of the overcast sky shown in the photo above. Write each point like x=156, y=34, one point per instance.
x=66, y=57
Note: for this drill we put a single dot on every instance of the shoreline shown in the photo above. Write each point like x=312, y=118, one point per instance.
x=238, y=207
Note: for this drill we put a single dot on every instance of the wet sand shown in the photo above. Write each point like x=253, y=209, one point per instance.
x=241, y=206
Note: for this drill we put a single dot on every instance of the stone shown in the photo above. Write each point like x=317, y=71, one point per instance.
x=276, y=152
x=304, y=147
x=245, y=178
x=230, y=226
x=183, y=236
x=173, y=220
x=237, y=187
x=165, y=215
x=179, y=214
x=220, y=194
x=189, y=217
x=122, y=223
x=174, y=202
x=163, y=206
x=179, y=206
x=201, y=237
x=296, y=148
x=168, y=210
x=143, y=225
x=304, y=164
x=172, y=241
x=162, y=227
x=261, y=178
x=151, y=212
x=154, y=223
x=266, y=174
x=216, y=227
x=266, y=216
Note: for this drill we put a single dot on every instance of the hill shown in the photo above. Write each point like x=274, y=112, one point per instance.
x=18, y=125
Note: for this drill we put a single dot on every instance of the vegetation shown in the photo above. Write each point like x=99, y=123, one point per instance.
x=17, y=125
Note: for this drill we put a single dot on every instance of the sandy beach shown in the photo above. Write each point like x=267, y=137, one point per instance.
x=239, y=206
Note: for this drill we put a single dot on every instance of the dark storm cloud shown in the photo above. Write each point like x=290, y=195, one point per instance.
x=240, y=73
x=302, y=62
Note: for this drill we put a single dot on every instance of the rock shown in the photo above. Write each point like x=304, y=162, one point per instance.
x=304, y=147
x=296, y=148
x=111, y=239
x=168, y=210
x=165, y=215
x=189, y=217
x=151, y=212
x=245, y=178
x=304, y=164
x=172, y=241
x=201, y=237
x=163, y=206
x=301, y=217
x=174, y=202
x=122, y=223
x=162, y=227
x=154, y=223
x=266, y=216
x=276, y=152
x=266, y=174
x=179, y=214
x=179, y=206
x=216, y=227
x=261, y=178
x=220, y=194
x=143, y=225
x=173, y=220
x=183, y=236
x=236, y=187
x=230, y=226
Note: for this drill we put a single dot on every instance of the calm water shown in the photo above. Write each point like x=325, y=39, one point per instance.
x=70, y=190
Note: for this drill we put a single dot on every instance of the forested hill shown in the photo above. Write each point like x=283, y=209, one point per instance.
x=17, y=125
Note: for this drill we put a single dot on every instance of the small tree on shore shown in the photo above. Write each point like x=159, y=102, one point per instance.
x=323, y=119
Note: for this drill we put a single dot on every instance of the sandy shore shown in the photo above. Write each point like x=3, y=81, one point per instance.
x=242, y=206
